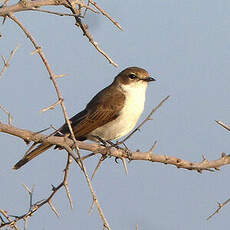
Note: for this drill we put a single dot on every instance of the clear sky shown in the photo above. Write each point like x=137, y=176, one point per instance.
x=185, y=46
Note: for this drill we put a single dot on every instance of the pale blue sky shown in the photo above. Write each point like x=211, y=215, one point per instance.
x=185, y=46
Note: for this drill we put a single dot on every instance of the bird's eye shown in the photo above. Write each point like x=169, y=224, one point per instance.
x=132, y=76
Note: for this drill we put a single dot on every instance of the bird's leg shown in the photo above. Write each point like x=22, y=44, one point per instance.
x=103, y=142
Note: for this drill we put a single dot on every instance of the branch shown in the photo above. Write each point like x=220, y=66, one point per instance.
x=37, y=205
x=25, y=5
x=67, y=143
x=86, y=33
x=220, y=206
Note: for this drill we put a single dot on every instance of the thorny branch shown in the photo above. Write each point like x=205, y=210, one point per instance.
x=60, y=98
x=209, y=165
x=26, y=5
x=86, y=33
x=66, y=143
x=12, y=220
x=220, y=206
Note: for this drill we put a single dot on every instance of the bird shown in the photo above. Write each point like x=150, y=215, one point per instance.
x=111, y=114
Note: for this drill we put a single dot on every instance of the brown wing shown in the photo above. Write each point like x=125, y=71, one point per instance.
x=103, y=108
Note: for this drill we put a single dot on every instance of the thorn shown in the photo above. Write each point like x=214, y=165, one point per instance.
x=36, y=51
x=153, y=147
x=53, y=187
x=91, y=208
x=103, y=157
x=4, y=19
x=60, y=75
x=125, y=165
x=53, y=208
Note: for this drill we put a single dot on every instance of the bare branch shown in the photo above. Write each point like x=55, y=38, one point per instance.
x=34, y=5
x=220, y=206
x=116, y=152
x=66, y=147
x=34, y=207
x=28, y=5
x=88, y=35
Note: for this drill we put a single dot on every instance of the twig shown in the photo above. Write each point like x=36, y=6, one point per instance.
x=34, y=207
x=30, y=191
x=63, y=14
x=106, y=14
x=10, y=118
x=145, y=120
x=7, y=62
x=223, y=125
x=220, y=206
x=89, y=36
x=51, y=107
x=55, y=13
x=69, y=161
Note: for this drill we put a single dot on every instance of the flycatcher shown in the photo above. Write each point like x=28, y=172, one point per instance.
x=110, y=115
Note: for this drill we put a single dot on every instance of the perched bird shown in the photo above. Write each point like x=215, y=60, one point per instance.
x=110, y=115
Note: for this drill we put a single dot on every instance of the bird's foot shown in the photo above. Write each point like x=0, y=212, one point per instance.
x=126, y=149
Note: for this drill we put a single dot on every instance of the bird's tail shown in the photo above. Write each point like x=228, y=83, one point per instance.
x=28, y=157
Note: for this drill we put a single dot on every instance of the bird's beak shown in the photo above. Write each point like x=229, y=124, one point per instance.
x=150, y=79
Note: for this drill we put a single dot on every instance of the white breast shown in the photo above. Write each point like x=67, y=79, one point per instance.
x=129, y=115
